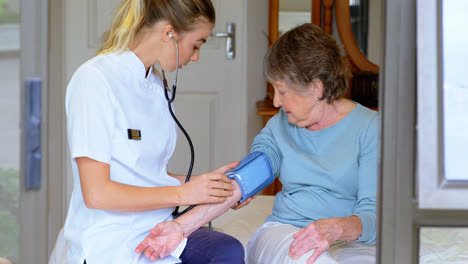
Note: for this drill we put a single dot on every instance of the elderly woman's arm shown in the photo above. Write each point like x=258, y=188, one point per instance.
x=366, y=205
x=166, y=236
x=265, y=142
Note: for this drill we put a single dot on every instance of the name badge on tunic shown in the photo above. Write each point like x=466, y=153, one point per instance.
x=134, y=134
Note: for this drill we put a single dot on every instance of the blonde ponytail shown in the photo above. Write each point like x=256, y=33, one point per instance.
x=127, y=23
x=134, y=14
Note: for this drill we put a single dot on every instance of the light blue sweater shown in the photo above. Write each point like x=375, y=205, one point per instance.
x=327, y=173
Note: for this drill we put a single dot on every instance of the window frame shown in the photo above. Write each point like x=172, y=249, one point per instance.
x=402, y=134
x=433, y=189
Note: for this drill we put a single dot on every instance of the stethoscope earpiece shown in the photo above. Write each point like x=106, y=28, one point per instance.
x=174, y=86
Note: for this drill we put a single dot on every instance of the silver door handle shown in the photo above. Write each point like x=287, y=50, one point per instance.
x=230, y=36
x=33, y=133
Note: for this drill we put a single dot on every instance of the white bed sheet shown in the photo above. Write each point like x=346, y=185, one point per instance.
x=443, y=245
x=438, y=245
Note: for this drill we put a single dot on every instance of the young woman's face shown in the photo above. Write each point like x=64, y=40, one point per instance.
x=301, y=107
x=189, y=45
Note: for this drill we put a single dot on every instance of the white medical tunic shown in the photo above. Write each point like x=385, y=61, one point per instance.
x=106, y=96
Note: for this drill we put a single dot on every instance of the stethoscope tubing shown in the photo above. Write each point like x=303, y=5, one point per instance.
x=170, y=100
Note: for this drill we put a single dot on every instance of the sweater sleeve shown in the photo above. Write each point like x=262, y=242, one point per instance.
x=265, y=142
x=365, y=207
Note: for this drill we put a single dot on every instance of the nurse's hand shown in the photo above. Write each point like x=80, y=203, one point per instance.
x=162, y=240
x=212, y=187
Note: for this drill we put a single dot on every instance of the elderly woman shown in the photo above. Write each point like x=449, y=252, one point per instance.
x=324, y=149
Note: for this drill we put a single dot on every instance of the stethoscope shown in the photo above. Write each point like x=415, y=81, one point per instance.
x=169, y=102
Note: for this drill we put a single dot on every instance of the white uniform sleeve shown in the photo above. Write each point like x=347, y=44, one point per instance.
x=90, y=117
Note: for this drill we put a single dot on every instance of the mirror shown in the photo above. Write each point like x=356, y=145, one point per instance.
x=366, y=24
x=359, y=15
x=357, y=24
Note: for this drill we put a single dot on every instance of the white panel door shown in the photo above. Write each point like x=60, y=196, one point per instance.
x=211, y=99
x=211, y=94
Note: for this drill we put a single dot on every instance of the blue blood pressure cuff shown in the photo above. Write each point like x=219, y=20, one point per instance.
x=253, y=174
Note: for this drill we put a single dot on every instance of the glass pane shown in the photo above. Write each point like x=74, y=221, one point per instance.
x=293, y=13
x=443, y=245
x=9, y=12
x=10, y=132
x=455, y=92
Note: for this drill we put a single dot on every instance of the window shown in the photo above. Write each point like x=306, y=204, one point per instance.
x=423, y=212
x=455, y=89
x=9, y=25
x=442, y=98
x=10, y=132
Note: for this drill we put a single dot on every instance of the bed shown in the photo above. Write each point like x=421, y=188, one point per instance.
x=438, y=245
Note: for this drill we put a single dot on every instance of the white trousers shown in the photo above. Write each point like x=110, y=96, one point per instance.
x=270, y=245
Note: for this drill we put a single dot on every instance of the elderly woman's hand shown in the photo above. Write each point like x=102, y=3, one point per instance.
x=162, y=240
x=244, y=203
x=320, y=234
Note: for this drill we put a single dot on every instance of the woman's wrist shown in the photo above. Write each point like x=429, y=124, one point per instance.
x=181, y=228
x=344, y=228
x=352, y=228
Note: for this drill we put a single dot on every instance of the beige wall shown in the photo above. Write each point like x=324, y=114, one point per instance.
x=295, y=5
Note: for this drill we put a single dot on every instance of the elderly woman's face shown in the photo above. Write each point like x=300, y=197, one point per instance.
x=301, y=107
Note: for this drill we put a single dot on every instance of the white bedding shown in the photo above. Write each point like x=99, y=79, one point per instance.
x=243, y=223
x=443, y=245
x=438, y=245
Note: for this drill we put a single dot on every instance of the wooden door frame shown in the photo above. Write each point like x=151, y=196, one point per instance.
x=58, y=151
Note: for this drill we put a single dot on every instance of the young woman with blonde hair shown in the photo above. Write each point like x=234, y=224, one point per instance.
x=121, y=136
